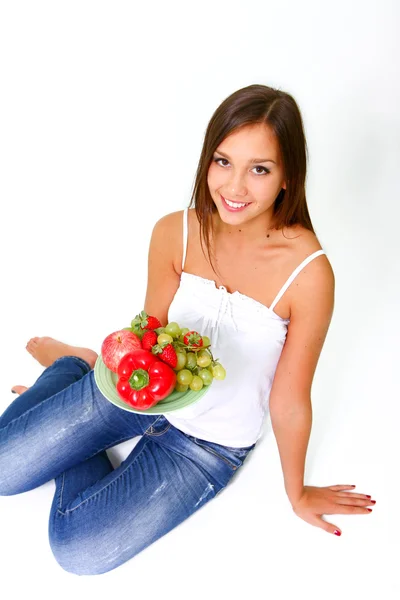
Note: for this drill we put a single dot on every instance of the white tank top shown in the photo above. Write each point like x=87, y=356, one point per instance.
x=247, y=338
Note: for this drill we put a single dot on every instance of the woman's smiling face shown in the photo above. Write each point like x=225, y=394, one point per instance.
x=246, y=168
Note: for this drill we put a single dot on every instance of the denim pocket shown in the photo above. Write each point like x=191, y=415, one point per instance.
x=234, y=457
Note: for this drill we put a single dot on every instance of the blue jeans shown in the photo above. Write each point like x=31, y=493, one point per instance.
x=100, y=516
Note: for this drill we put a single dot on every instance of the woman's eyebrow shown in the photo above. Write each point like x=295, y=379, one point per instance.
x=253, y=160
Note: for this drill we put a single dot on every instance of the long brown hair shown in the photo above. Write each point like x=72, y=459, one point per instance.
x=250, y=105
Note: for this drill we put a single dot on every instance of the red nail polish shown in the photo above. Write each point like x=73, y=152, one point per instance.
x=370, y=509
x=336, y=532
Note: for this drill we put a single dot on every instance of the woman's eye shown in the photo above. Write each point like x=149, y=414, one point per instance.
x=218, y=159
x=265, y=170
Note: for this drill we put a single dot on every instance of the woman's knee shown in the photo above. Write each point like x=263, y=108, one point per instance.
x=82, y=551
x=83, y=560
x=77, y=562
x=21, y=468
x=14, y=481
x=13, y=474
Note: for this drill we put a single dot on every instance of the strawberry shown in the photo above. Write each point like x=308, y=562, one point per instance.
x=193, y=338
x=152, y=323
x=144, y=321
x=166, y=353
x=148, y=340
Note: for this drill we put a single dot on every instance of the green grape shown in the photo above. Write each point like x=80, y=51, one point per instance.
x=206, y=341
x=203, y=359
x=181, y=388
x=219, y=372
x=204, y=352
x=164, y=337
x=191, y=360
x=183, y=333
x=206, y=376
x=173, y=329
x=196, y=384
x=181, y=356
x=184, y=377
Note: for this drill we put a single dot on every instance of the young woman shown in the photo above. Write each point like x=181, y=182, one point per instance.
x=263, y=293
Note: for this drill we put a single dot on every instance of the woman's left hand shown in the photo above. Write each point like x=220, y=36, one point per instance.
x=317, y=501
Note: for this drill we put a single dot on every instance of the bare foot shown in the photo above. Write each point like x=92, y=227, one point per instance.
x=46, y=350
x=19, y=389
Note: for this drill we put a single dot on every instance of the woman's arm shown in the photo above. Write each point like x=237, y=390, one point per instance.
x=162, y=279
x=290, y=397
x=292, y=432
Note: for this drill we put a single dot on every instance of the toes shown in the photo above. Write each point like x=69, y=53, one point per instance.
x=19, y=389
x=32, y=344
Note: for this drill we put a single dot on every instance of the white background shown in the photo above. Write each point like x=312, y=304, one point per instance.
x=103, y=110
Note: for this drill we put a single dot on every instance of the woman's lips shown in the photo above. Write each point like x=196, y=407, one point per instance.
x=229, y=208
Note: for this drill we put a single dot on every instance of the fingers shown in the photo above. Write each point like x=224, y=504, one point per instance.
x=338, y=488
x=339, y=508
x=352, y=495
x=354, y=501
x=351, y=499
x=328, y=527
x=344, y=508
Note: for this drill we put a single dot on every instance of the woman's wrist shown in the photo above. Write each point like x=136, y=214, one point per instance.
x=294, y=493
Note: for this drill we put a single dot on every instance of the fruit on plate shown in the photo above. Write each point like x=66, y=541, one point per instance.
x=218, y=372
x=183, y=349
x=143, y=322
x=149, y=339
x=116, y=345
x=193, y=338
x=166, y=353
x=143, y=379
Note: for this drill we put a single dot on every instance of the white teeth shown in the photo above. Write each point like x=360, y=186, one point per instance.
x=234, y=205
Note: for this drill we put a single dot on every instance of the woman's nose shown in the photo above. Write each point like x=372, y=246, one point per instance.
x=237, y=186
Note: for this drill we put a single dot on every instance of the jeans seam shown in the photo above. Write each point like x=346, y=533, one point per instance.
x=152, y=424
x=69, y=510
x=215, y=453
x=62, y=490
x=159, y=432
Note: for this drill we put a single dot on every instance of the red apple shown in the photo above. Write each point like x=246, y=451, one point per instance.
x=116, y=345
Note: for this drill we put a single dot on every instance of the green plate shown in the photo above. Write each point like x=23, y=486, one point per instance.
x=106, y=381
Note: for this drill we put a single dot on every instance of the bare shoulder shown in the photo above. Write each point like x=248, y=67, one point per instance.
x=314, y=285
x=173, y=223
x=171, y=231
x=302, y=243
x=171, y=220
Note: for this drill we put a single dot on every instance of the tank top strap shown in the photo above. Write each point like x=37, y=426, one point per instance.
x=293, y=275
x=185, y=234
